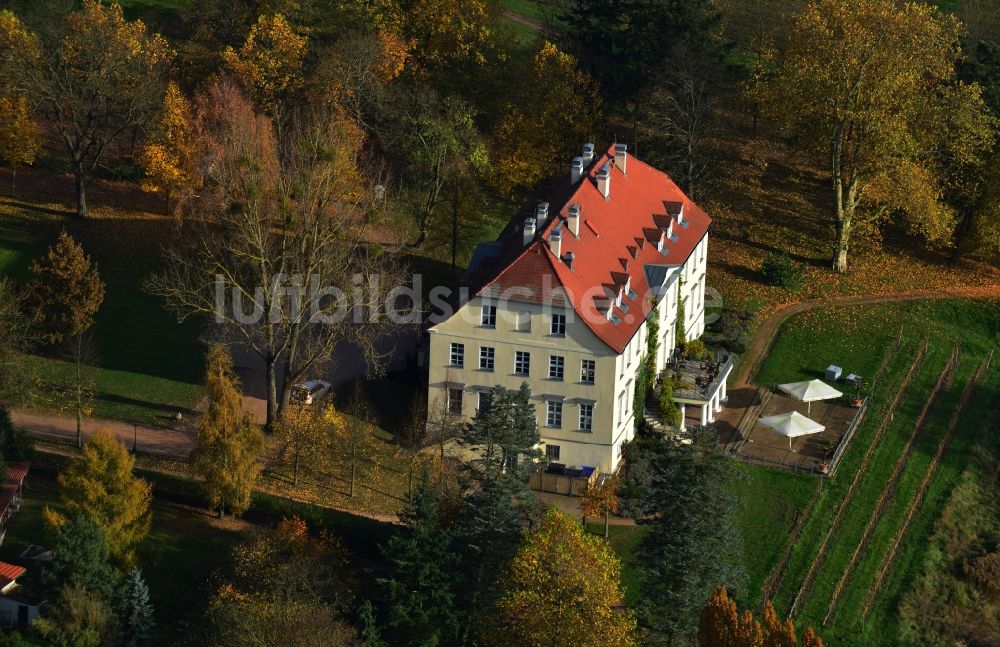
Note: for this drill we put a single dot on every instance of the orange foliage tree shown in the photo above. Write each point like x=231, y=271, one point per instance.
x=269, y=63
x=721, y=625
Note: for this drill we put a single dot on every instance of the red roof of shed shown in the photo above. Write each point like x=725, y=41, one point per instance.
x=9, y=573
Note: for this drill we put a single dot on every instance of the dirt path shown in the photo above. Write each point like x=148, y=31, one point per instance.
x=163, y=442
x=524, y=20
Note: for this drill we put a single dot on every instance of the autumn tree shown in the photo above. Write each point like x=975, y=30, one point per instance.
x=283, y=234
x=19, y=137
x=553, y=107
x=305, y=434
x=228, y=445
x=722, y=625
x=100, y=485
x=563, y=588
x=92, y=79
x=301, y=602
x=62, y=298
x=601, y=500
x=441, y=147
x=870, y=86
x=78, y=618
x=451, y=32
x=269, y=64
x=170, y=156
x=688, y=506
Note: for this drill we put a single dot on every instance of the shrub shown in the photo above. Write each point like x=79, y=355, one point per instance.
x=696, y=349
x=985, y=574
x=669, y=412
x=780, y=270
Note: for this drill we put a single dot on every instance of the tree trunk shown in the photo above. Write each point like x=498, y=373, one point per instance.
x=961, y=231
x=271, y=379
x=81, y=193
x=295, y=468
x=843, y=241
x=354, y=461
x=607, y=522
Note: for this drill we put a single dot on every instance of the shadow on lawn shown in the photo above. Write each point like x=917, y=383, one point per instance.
x=168, y=409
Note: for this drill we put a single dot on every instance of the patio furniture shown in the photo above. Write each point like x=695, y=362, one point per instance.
x=810, y=391
x=792, y=425
x=833, y=372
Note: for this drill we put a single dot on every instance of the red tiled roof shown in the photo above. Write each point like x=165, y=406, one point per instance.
x=642, y=203
x=16, y=472
x=9, y=573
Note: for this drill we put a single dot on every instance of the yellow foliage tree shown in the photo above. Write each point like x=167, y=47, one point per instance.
x=229, y=442
x=269, y=63
x=552, y=110
x=100, y=485
x=563, y=589
x=170, y=154
x=19, y=138
x=451, y=31
x=870, y=85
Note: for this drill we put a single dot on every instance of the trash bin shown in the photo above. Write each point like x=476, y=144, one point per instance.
x=833, y=372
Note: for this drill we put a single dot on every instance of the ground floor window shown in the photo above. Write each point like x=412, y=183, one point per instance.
x=455, y=401
x=552, y=452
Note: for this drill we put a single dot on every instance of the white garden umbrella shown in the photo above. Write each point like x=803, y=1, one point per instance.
x=792, y=424
x=810, y=391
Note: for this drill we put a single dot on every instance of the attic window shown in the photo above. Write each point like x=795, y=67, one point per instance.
x=633, y=251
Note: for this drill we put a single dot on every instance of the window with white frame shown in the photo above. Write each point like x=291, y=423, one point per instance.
x=552, y=452
x=553, y=413
x=558, y=326
x=522, y=362
x=489, y=316
x=588, y=371
x=487, y=358
x=455, y=400
x=586, y=416
x=522, y=321
x=457, y=355
x=557, y=366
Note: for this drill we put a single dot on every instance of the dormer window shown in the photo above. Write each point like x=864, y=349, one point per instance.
x=489, y=316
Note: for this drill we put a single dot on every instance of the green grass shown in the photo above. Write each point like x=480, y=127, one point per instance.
x=770, y=503
x=624, y=540
x=807, y=344
x=143, y=364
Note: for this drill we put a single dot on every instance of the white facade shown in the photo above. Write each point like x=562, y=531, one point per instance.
x=565, y=402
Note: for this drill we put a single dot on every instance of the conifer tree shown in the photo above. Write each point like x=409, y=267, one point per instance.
x=81, y=558
x=100, y=485
x=421, y=590
x=690, y=531
x=228, y=446
x=135, y=613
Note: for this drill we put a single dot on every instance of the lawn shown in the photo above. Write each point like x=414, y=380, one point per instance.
x=142, y=364
x=624, y=540
x=770, y=502
x=856, y=338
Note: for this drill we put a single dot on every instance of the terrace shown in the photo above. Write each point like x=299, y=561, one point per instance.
x=702, y=383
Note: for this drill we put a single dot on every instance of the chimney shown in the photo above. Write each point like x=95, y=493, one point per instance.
x=621, y=156
x=576, y=170
x=555, y=241
x=529, y=230
x=604, y=181
x=588, y=154
x=573, y=219
x=542, y=214
x=568, y=258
